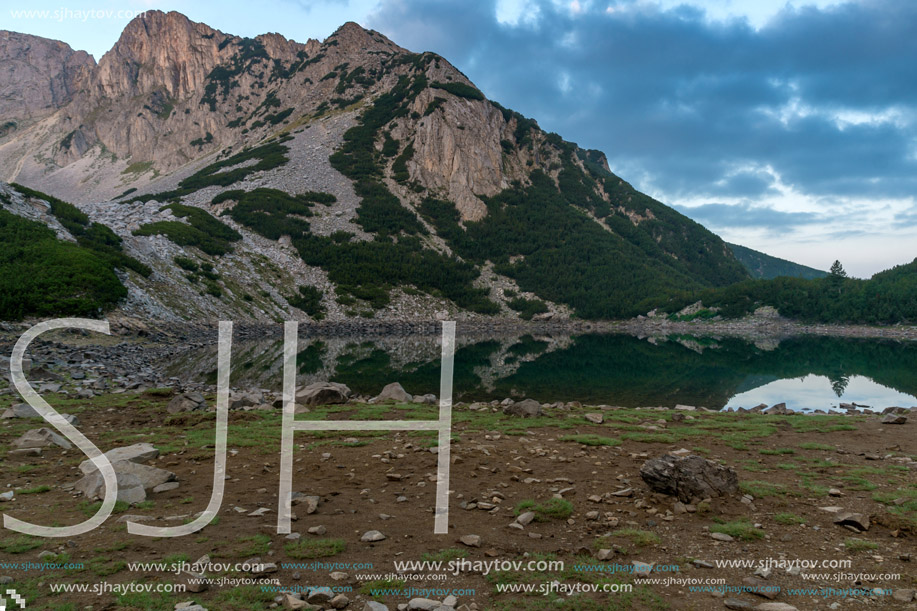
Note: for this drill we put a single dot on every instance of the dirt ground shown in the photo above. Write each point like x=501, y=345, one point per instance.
x=786, y=465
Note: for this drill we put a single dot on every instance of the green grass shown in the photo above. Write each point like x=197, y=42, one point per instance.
x=855, y=546
x=19, y=544
x=256, y=545
x=592, y=440
x=761, y=489
x=242, y=598
x=788, y=519
x=34, y=490
x=314, y=548
x=552, y=509
x=640, y=538
x=444, y=555
x=738, y=529
x=649, y=437
x=777, y=451
x=369, y=588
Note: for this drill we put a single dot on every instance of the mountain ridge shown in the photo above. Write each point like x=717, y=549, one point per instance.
x=379, y=182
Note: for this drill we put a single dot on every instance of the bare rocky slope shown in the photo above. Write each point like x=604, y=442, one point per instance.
x=263, y=179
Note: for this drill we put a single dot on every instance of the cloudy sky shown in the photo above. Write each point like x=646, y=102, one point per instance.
x=786, y=127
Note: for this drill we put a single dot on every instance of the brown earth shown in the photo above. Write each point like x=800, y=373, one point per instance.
x=787, y=463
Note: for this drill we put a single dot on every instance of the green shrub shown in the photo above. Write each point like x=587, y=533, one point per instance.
x=309, y=300
x=527, y=308
x=459, y=89
x=268, y=211
x=43, y=276
x=202, y=230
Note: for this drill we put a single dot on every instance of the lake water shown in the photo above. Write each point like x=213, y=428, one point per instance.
x=804, y=372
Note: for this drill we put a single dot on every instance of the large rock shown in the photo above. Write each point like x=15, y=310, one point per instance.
x=894, y=418
x=688, y=478
x=41, y=438
x=244, y=400
x=186, y=403
x=394, y=392
x=857, y=521
x=140, y=453
x=525, y=408
x=323, y=393
x=130, y=488
x=149, y=477
x=20, y=410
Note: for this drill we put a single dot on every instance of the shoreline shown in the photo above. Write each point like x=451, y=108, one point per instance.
x=748, y=327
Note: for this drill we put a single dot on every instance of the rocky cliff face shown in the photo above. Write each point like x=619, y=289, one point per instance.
x=37, y=77
x=357, y=154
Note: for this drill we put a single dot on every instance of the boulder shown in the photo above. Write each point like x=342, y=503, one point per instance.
x=855, y=520
x=186, y=403
x=41, y=438
x=689, y=477
x=394, y=392
x=525, y=408
x=323, y=393
x=894, y=419
x=20, y=410
x=140, y=453
x=130, y=488
x=149, y=477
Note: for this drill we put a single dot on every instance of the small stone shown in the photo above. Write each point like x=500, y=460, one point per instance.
x=339, y=602
x=372, y=536
x=595, y=418
x=904, y=596
x=471, y=540
x=735, y=603
x=526, y=518
x=165, y=487
x=317, y=530
x=835, y=492
x=721, y=537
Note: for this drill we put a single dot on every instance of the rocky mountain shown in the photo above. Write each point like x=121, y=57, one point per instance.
x=264, y=178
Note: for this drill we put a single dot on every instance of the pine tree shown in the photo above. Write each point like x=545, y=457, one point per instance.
x=837, y=270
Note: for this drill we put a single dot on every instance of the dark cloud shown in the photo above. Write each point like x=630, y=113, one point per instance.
x=683, y=100
x=747, y=215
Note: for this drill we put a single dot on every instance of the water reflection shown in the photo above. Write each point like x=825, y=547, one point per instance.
x=804, y=372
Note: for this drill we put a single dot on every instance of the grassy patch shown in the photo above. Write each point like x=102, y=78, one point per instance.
x=552, y=509
x=788, y=519
x=640, y=538
x=761, y=489
x=855, y=546
x=314, y=548
x=738, y=529
x=19, y=544
x=445, y=555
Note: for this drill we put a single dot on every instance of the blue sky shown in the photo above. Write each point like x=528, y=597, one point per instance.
x=787, y=127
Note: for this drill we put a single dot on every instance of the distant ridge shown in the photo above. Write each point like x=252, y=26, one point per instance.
x=766, y=267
